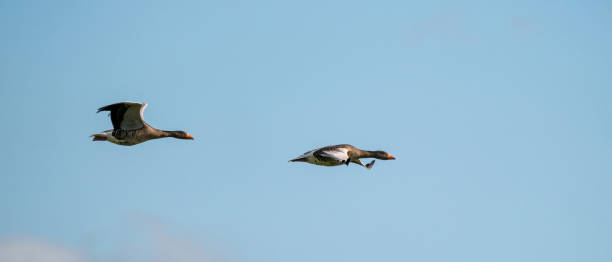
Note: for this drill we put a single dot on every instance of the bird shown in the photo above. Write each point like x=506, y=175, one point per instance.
x=341, y=154
x=129, y=127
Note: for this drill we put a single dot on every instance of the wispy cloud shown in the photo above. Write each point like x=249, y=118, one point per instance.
x=162, y=243
x=22, y=249
x=145, y=239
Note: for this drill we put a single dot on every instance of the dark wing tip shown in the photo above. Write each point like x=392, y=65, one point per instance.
x=114, y=106
x=106, y=108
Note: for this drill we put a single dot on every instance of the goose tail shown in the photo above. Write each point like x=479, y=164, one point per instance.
x=99, y=137
x=299, y=159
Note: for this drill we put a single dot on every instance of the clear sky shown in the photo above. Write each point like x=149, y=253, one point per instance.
x=499, y=115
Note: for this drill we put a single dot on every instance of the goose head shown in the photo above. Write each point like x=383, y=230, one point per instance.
x=382, y=155
x=180, y=134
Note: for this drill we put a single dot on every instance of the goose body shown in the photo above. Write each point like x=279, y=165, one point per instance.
x=129, y=127
x=340, y=154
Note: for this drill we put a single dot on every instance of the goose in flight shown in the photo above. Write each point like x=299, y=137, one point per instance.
x=129, y=127
x=341, y=154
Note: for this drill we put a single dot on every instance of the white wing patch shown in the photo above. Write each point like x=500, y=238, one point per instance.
x=132, y=119
x=340, y=154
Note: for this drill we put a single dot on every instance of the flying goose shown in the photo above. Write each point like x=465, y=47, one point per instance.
x=129, y=127
x=341, y=154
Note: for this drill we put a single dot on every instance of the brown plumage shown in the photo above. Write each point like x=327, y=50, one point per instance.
x=341, y=154
x=129, y=127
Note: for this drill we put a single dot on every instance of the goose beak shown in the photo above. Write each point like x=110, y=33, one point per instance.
x=389, y=156
x=189, y=137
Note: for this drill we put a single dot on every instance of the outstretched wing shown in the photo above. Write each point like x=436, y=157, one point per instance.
x=334, y=153
x=126, y=115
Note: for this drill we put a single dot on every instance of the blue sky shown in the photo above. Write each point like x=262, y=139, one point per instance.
x=498, y=113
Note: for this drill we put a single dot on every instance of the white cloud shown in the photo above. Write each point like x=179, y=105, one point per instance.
x=155, y=241
x=145, y=240
x=31, y=250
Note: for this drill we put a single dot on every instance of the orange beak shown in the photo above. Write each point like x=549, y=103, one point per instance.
x=189, y=137
x=389, y=156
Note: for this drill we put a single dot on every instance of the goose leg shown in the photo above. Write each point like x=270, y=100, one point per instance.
x=368, y=166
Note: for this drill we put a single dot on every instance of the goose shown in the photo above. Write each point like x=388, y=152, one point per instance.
x=341, y=154
x=129, y=127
